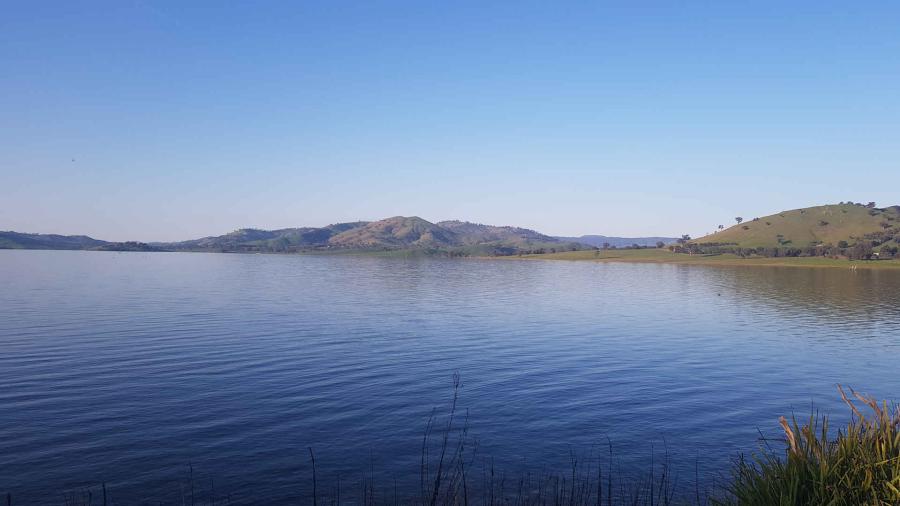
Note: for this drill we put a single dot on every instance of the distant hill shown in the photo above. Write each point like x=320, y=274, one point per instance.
x=620, y=242
x=251, y=239
x=820, y=225
x=18, y=240
x=476, y=233
x=127, y=246
x=398, y=233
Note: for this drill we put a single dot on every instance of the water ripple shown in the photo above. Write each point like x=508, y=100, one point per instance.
x=125, y=367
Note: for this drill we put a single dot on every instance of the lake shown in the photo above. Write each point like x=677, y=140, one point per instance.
x=127, y=368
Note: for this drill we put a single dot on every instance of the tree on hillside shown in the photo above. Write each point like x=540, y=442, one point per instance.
x=660, y=244
x=676, y=248
x=721, y=227
x=739, y=220
x=870, y=205
x=860, y=251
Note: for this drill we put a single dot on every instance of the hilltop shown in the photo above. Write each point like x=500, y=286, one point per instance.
x=839, y=225
x=399, y=233
x=395, y=233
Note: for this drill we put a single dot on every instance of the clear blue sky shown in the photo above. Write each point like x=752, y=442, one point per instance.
x=171, y=120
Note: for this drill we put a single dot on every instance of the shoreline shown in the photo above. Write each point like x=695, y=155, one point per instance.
x=655, y=256
x=641, y=256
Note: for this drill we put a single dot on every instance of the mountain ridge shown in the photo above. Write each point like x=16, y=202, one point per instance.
x=832, y=228
x=395, y=234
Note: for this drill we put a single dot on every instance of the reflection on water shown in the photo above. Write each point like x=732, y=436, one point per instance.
x=124, y=367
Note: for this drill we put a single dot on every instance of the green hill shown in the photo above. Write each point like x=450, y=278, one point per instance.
x=813, y=226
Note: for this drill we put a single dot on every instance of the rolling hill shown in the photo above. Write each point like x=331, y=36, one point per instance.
x=398, y=233
x=820, y=225
x=18, y=240
x=476, y=233
x=252, y=239
x=831, y=226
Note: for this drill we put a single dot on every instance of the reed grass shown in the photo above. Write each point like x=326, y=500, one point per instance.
x=453, y=472
x=859, y=466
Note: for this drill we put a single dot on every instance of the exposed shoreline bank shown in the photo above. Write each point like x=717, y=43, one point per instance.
x=655, y=256
x=640, y=256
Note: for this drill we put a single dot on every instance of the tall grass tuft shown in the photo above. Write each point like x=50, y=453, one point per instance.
x=860, y=466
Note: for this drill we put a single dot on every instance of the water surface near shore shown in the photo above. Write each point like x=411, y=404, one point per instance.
x=125, y=367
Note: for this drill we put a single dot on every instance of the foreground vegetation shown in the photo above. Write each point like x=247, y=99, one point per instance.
x=857, y=465
x=860, y=466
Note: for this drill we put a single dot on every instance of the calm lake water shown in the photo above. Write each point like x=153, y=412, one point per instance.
x=125, y=367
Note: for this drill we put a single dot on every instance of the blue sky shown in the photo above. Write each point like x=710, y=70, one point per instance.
x=171, y=120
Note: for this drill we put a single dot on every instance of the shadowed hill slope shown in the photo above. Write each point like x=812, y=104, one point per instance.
x=18, y=240
x=475, y=233
x=396, y=232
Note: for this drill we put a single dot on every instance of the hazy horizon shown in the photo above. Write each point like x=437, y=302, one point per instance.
x=162, y=121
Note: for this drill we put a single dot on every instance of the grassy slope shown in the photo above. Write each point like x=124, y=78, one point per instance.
x=803, y=226
x=667, y=257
